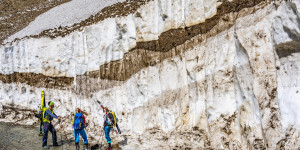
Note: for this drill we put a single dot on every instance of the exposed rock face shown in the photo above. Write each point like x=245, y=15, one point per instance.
x=179, y=74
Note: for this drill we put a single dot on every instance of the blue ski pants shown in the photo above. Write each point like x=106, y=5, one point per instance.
x=106, y=131
x=82, y=133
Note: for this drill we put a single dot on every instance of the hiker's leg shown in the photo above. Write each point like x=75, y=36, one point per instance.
x=54, y=137
x=107, y=130
x=83, y=134
x=45, y=135
x=76, y=135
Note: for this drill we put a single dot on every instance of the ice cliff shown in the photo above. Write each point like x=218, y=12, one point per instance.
x=180, y=74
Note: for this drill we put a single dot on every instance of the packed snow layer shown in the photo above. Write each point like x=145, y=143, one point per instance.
x=63, y=15
x=229, y=91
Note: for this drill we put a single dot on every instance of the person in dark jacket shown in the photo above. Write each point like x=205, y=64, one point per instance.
x=110, y=121
x=48, y=116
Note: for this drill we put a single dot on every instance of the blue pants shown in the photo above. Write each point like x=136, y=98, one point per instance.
x=82, y=133
x=49, y=127
x=107, y=130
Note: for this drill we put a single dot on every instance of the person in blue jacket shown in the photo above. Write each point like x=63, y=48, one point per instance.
x=79, y=125
x=48, y=116
x=107, y=129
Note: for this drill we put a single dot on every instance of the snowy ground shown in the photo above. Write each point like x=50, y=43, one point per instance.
x=26, y=137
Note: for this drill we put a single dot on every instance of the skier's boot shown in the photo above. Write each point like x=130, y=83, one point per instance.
x=86, y=146
x=46, y=147
x=109, y=147
x=56, y=144
x=77, y=147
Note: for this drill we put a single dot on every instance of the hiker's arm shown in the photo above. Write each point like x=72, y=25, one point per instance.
x=58, y=117
x=52, y=115
x=73, y=120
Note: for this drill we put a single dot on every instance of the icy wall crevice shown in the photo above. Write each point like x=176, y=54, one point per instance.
x=224, y=86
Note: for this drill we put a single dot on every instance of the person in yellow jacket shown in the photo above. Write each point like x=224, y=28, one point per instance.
x=48, y=116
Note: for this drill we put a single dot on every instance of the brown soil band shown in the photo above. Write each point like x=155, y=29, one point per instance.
x=175, y=37
x=287, y=49
x=37, y=80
